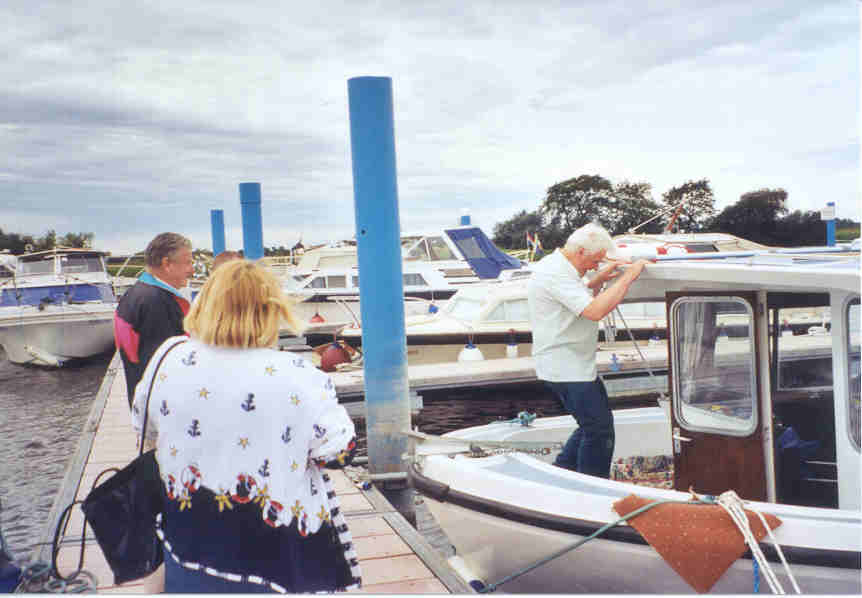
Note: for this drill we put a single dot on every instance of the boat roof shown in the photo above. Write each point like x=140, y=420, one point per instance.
x=60, y=251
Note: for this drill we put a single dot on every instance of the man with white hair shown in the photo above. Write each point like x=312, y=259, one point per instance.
x=564, y=314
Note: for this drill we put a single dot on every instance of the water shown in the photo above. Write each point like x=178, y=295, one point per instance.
x=42, y=415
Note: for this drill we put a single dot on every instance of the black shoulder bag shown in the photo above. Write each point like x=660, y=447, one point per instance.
x=122, y=511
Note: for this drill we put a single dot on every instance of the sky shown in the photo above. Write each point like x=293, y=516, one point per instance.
x=126, y=119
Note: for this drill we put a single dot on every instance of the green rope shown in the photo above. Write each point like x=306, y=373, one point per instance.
x=706, y=500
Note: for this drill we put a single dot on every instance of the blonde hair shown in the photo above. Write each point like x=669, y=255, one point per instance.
x=242, y=306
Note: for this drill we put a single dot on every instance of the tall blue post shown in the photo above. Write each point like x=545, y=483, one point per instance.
x=829, y=216
x=252, y=223
x=465, y=219
x=217, y=222
x=381, y=291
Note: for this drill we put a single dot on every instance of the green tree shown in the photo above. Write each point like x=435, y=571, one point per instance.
x=512, y=233
x=575, y=202
x=696, y=206
x=83, y=240
x=48, y=241
x=800, y=228
x=632, y=205
x=755, y=217
x=16, y=243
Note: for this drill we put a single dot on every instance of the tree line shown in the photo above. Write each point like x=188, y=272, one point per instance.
x=760, y=216
x=18, y=243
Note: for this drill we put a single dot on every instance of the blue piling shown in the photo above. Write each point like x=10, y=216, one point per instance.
x=381, y=291
x=830, y=224
x=217, y=222
x=252, y=223
x=465, y=219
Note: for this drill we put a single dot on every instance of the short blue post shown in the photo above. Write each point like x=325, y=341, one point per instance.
x=829, y=216
x=381, y=290
x=252, y=223
x=465, y=219
x=217, y=222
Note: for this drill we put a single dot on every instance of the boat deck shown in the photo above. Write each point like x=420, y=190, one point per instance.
x=393, y=557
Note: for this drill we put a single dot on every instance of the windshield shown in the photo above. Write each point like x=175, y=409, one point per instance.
x=71, y=264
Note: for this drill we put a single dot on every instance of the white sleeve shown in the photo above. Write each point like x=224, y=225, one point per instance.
x=143, y=387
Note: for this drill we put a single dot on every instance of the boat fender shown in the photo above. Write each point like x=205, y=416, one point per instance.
x=431, y=488
x=511, y=345
x=470, y=352
x=333, y=355
x=316, y=318
x=433, y=309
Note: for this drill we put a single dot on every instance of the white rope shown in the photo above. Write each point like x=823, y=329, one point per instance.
x=734, y=507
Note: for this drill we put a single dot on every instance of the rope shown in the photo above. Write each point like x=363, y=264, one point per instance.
x=492, y=587
x=662, y=396
x=734, y=507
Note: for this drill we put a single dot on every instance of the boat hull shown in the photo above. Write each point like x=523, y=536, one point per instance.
x=57, y=335
x=496, y=540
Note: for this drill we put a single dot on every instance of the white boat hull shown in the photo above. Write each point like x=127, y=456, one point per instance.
x=57, y=334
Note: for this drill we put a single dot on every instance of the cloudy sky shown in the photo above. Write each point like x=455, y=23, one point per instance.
x=130, y=118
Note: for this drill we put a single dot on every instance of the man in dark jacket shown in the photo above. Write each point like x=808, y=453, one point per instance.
x=154, y=308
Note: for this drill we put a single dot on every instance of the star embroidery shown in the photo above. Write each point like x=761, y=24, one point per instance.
x=270, y=370
x=243, y=442
x=262, y=496
x=204, y=393
x=162, y=376
x=296, y=509
x=173, y=451
x=223, y=501
x=294, y=399
x=324, y=516
x=185, y=501
x=294, y=466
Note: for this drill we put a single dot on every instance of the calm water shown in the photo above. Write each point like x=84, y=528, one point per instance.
x=42, y=414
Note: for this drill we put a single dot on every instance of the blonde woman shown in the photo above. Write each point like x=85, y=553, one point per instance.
x=243, y=431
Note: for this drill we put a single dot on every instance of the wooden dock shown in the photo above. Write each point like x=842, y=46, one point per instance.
x=393, y=557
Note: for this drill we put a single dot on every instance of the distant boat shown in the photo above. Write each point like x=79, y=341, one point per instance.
x=56, y=305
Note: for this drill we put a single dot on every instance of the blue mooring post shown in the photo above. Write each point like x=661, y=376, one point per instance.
x=381, y=290
x=252, y=223
x=217, y=222
x=829, y=217
x=465, y=219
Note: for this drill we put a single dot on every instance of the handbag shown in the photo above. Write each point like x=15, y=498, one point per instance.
x=122, y=511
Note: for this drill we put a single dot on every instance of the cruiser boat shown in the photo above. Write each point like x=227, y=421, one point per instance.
x=56, y=306
x=772, y=416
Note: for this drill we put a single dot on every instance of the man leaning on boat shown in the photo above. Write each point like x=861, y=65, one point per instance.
x=565, y=310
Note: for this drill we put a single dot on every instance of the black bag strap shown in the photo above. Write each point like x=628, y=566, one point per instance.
x=64, y=517
x=150, y=392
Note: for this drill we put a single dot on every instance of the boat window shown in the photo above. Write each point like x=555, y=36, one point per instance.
x=439, y=250
x=43, y=266
x=414, y=280
x=714, y=365
x=355, y=280
x=318, y=282
x=804, y=349
x=853, y=368
x=464, y=308
x=336, y=282
x=419, y=252
x=70, y=264
x=470, y=248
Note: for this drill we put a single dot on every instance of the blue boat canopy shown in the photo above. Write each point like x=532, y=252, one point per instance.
x=484, y=257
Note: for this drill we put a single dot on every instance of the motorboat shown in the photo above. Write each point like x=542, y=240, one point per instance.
x=56, y=305
x=769, y=417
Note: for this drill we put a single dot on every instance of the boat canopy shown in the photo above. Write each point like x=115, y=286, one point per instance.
x=483, y=256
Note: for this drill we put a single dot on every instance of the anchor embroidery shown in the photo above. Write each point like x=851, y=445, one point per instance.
x=329, y=384
x=319, y=431
x=264, y=469
x=313, y=488
x=248, y=404
x=299, y=362
x=286, y=436
x=190, y=359
x=195, y=428
x=164, y=408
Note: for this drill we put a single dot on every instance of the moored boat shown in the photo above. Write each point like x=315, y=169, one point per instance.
x=773, y=417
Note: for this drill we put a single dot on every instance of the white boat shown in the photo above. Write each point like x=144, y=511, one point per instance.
x=56, y=306
x=774, y=417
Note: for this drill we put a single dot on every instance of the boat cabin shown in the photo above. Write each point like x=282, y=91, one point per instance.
x=57, y=276
x=770, y=410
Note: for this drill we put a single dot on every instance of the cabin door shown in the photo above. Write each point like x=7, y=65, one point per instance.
x=715, y=414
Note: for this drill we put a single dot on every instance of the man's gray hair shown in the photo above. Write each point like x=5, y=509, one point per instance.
x=164, y=245
x=592, y=238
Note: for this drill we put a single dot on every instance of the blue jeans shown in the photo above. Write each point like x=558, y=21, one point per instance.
x=590, y=448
